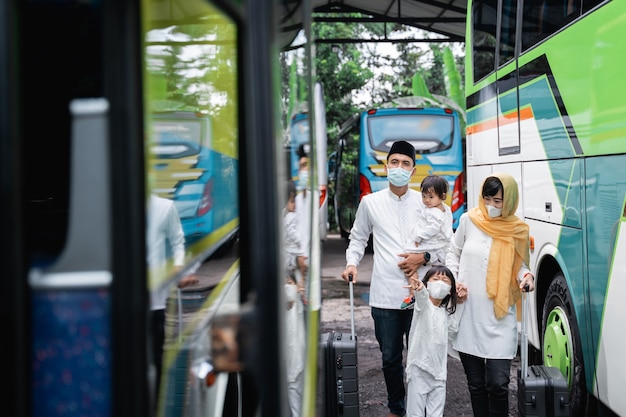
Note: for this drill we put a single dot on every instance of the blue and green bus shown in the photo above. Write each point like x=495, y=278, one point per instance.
x=545, y=103
x=195, y=171
x=365, y=140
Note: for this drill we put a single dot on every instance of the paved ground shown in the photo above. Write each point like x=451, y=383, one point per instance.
x=336, y=316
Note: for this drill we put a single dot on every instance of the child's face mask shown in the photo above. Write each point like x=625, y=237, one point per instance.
x=438, y=289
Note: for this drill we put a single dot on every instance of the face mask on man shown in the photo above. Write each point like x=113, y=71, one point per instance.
x=398, y=176
x=493, y=211
x=438, y=289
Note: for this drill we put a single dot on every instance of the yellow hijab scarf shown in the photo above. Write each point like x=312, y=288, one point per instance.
x=509, y=247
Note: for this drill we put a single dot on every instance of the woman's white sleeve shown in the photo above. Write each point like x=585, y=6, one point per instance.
x=523, y=270
x=455, y=247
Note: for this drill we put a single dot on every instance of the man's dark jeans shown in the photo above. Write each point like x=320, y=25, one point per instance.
x=392, y=330
x=488, y=383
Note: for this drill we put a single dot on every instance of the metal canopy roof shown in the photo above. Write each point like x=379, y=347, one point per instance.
x=445, y=18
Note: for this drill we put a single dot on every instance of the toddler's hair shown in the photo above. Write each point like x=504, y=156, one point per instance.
x=436, y=184
x=450, y=300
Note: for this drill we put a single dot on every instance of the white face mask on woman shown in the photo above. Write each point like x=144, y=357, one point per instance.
x=493, y=211
x=438, y=289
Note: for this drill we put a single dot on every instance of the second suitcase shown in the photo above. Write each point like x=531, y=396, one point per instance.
x=541, y=390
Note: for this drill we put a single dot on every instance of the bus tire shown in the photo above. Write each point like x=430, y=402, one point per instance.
x=561, y=346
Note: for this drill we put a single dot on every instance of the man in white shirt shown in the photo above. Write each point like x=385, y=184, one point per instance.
x=389, y=215
x=163, y=229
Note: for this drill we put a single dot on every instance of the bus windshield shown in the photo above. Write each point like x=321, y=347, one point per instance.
x=427, y=133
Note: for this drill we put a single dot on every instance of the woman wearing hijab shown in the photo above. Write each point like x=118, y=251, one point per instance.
x=489, y=254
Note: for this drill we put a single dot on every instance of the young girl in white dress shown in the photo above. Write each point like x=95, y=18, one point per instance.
x=426, y=369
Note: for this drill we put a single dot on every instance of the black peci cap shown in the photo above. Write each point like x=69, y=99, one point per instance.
x=403, y=147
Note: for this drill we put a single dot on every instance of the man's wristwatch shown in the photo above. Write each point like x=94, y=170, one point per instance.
x=426, y=257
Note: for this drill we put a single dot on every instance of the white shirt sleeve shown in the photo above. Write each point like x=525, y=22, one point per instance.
x=453, y=257
x=359, y=234
x=176, y=236
x=523, y=270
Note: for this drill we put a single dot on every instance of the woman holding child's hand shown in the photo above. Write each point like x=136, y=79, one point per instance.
x=489, y=255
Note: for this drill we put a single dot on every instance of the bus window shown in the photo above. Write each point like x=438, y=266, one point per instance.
x=484, y=23
x=426, y=133
x=544, y=17
x=434, y=132
x=507, y=32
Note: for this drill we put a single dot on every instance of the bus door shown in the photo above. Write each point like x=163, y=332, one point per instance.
x=506, y=84
x=495, y=78
x=346, y=175
x=74, y=222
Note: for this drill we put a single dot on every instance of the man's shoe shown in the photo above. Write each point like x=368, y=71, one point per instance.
x=407, y=303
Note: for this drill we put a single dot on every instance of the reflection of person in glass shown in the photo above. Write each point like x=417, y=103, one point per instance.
x=295, y=255
x=295, y=339
x=164, y=235
x=295, y=261
x=303, y=200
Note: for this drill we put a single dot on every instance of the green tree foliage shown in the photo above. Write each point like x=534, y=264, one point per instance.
x=190, y=75
x=341, y=71
x=419, y=86
x=452, y=78
x=293, y=87
x=348, y=70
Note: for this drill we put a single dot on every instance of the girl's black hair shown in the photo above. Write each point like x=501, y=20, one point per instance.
x=437, y=184
x=450, y=300
x=491, y=187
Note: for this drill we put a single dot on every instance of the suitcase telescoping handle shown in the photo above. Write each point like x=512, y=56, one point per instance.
x=351, y=283
x=524, y=342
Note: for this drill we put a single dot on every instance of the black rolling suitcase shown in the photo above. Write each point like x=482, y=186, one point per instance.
x=541, y=390
x=341, y=383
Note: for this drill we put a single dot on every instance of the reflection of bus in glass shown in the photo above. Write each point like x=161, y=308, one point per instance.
x=300, y=144
x=189, y=169
x=545, y=103
x=434, y=132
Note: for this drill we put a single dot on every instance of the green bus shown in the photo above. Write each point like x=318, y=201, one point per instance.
x=545, y=103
